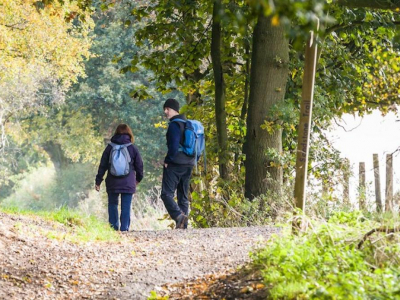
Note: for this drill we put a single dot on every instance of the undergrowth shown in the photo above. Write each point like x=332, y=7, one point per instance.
x=327, y=262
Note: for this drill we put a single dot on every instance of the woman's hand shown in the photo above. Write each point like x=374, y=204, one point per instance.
x=97, y=187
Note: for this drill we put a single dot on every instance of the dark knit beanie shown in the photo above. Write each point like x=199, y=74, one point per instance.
x=172, y=103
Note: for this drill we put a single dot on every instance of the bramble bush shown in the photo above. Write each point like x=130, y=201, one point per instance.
x=224, y=205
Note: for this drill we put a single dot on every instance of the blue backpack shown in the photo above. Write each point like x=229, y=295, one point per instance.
x=119, y=161
x=193, y=143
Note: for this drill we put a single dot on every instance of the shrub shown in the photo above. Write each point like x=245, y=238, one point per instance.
x=326, y=262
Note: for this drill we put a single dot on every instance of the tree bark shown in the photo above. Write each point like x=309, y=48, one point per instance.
x=268, y=77
x=57, y=157
x=246, y=84
x=220, y=112
x=377, y=4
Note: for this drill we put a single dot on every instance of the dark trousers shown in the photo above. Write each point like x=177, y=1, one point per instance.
x=126, y=200
x=176, y=178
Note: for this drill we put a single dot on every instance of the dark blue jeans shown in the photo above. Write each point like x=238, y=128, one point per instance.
x=176, y=178
x=126, y=201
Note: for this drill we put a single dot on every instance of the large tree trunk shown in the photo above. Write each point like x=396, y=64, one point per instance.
x=220, y=112
x=56, y=154
x=268, y=77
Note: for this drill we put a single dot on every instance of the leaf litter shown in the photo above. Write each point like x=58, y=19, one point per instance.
x=180, y=264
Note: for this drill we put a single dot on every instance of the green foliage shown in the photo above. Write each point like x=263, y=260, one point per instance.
x=71, y=131
x=325, y=263
x=109, y=96
x=348, y=218
x=154, y=296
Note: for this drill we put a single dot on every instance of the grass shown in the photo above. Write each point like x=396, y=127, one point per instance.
x=327, y=263
x=78, y=227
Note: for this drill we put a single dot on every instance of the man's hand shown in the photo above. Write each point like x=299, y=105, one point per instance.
x=97, y=187
x=165, y=165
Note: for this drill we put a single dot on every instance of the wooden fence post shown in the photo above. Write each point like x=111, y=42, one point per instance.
x=377, y=177
x=389, y=183
x=346, y=182
x=304, y=129
x=361, y=186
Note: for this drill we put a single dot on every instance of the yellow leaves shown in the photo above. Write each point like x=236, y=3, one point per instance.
x=294, y=72
x=275, y=20
x=42, y=38
x=162, y=124
x=269, y=126
x=251, y=288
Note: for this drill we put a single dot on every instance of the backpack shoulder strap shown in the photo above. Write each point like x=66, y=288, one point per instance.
x=181, y=124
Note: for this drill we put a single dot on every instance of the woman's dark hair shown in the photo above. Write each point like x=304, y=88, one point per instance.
x=124, y=129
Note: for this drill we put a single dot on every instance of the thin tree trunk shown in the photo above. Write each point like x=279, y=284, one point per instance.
x=220, y=112
x=243, y=113
x=246, y=84
x=268, y=77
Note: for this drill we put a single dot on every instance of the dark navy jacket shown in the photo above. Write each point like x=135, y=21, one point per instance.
x=174, y=138
x=121, y=184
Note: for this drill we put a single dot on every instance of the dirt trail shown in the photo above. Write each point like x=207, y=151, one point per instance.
x=34, y=266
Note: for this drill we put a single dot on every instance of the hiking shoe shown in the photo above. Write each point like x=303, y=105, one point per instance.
x=180, y=221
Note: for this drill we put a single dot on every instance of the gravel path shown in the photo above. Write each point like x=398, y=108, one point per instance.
x=34, y=266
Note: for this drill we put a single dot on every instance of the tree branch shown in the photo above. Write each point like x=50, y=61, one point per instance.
x=341, y=126
x=381, y=229
x=376, y=4
x=16, y=25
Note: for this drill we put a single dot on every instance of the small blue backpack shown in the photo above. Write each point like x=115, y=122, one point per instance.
x=193, y=143
x=119, y=161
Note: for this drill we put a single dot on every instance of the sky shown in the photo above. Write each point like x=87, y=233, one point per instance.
x=359, y=138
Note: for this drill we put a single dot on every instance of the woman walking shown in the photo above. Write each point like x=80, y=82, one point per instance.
x=125, y=170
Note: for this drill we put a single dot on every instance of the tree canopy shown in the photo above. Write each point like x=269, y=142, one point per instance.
x=42, y=49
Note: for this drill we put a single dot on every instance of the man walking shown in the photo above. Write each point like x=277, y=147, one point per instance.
x=177, y=167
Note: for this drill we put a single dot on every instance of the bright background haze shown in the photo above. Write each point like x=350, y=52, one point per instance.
x=358, y=138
